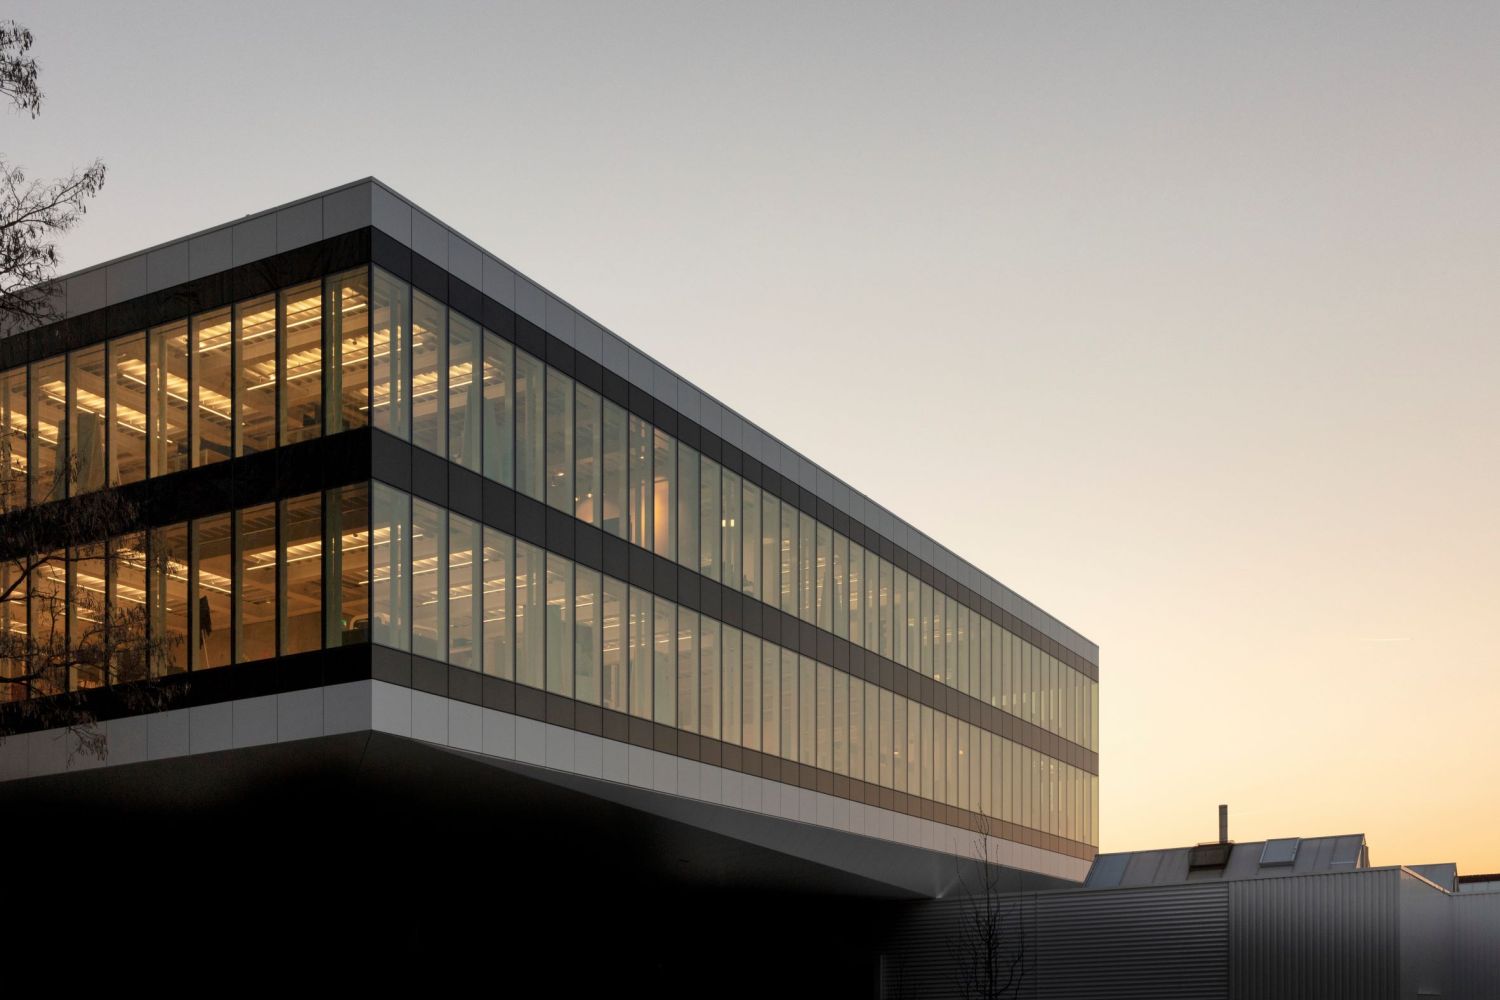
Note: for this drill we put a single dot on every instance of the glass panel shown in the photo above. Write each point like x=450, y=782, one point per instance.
x=499, y=644
x=588, y=487
x=664, y=663
x=560, y=442
x=49, y=430
x=708, y=678
x=429, y=579
x=255, y=379
x=612, y=680
x=750, y=553
x=898, y=616
x=531, y=663
x=465, y=588
x=640, y=482
x=169, y=594
x=390, y=346
x=302, y=363
x=886, y=647
x=390, y=575
x=640, y=653
x=211, y=393
x=840, y=721
x=808, y=735
x=824, y=569
x=127, y=601
x=255, y=584
x=687, y=670
x=86, y=418
x=13, y=636
x=664, y=495
x=731, y=692
x=711, y=522
x=88, y=650
x=733, y=536
x=560, y=625
x=807, y=557
x=301, y=574
x=499, y=410
x=856, y=594
x=463, y=392
x=429, y=374
x=687, y=507
x=840, y=586
x=872, y=600
x=347, y=542
x=887, y=741
x=616, y=476
x=349, y=348
x=586, y=634
x=770, y=699
x=530, y=426
x=789, y=559
x=47, y=600
x=825, y=715
x=789, y=682
x=750, y=720
x=770, y=549
x=213, y=590
x=13, y=436
x=873, y=737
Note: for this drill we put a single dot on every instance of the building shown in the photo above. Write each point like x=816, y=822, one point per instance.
x=1290, y=919
x=414, y=525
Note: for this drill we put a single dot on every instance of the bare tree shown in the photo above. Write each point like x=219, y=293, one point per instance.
x=989, y=949
x=33, y=213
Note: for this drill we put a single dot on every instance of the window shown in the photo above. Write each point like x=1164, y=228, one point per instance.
x=711, y=521
x=349, y=350
x=664, y=495
x=613, y=694
x=770, y=549
x=789, y=559
x=530, y=426
x=640, y=482
x=465, y=587
x=347, y=542
x=529, y=619
x=750, y=715
x=616, y=476
x=390, y=354
x=664, y=662
x=807, y=557
x=560, y=493
x=429, y=580
x=586, y=634
x=390, y=573
x=809, y=737
x=708, y=677
x=560, y=637
x=429, y=374
x=499, y=410
x=255, y=584
x=211, y=392
x=840, y=586
x=14, y=456
x=168, y=594
x=687, y=670
x=588, y=486
x=688, y=520
x=49, y=430
x=87, y=617
x=750, y=540
x=770, y=699
x=824, y=570
x=733, y=539
x=301, y=583
x=86, y=418
x=255, y=379
x=464, y=387
x=499, y=610
x=640, y=653
x=789, y=700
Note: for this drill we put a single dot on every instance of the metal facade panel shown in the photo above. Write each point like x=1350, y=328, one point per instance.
x=1315, y=937
x=1161, y=942
x=1426, y=938
x=1476, y=946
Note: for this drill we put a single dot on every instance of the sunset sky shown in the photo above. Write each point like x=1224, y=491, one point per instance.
x=1181, y=320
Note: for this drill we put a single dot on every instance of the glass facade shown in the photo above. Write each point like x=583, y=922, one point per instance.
x=370, y=563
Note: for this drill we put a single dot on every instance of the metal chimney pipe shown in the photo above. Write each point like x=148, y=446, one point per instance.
x=1223, y=824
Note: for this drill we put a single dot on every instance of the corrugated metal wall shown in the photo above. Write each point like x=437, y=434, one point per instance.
x=1163, y=942
x=1315, y=937
x=1426, y=938
x=1476, y=945
x=1124, y=943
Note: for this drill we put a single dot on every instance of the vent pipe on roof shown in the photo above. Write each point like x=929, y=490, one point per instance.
x=1223, y=824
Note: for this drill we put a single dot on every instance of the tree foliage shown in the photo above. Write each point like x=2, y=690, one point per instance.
x=33, y=212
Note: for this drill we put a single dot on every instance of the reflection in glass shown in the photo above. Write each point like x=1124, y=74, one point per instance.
x=531, y=439
x=560, y=441
x=390, y=567
x=87, y=418
x=429, y=580
x=640, y=653
x=463, y=392
x=49, y=430
x=530, y=620
x=664, y=496
x=13, y=437
x=640, y=482
x=499, y=410
x=588, y=485
x=255, y=584
x=586, y=634
x=390, y=354
x=616, y=476
x=347, y=542
x=464, y=590
x=559, y=625
x=664, y=663
x=499, y=610
x=612, y=676
x=349, y=350
x=429, y=374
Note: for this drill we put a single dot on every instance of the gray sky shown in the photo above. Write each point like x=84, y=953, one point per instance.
x=1181, y=319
